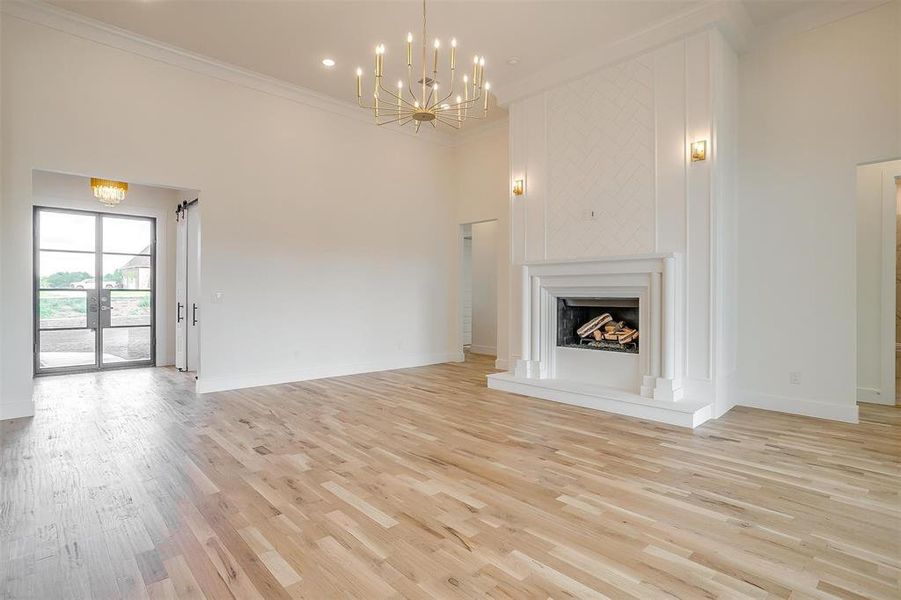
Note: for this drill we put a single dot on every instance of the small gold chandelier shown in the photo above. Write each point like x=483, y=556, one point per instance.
x=109, y=192
x=404, y=106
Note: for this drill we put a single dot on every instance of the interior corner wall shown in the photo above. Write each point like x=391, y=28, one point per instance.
x=484, y=287
x=876, y=216
x=483, y=193
x=811, y=107
x=724, y=154
x=306, y=225
x=28, y=408
x=617, y=180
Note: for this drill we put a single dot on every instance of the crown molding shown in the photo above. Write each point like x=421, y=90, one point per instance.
x=40, y=13
x=466, y=136
x=809, y=19
x=730, y=17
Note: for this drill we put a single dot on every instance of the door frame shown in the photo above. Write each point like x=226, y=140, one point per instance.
x=98, y=365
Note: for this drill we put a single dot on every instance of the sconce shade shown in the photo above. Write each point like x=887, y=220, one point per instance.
x=699, y=150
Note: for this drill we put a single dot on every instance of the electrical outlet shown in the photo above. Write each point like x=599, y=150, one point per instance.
x=794, y=378
x=589, y=214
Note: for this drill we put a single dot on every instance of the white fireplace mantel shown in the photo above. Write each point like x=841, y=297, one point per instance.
x=654, y=280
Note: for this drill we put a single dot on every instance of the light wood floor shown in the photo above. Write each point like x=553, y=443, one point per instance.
x=422, y=483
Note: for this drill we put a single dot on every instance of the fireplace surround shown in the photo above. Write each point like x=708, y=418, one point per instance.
x=645, y=383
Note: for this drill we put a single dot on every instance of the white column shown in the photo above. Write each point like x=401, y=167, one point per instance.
x=669, y=318
x=526, y=341
x=537, y=333
x=651, y=337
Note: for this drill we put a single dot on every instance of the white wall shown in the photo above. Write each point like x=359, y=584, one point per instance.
x=811, y=108
x=305, y=221
x=607, y=171
x=482, y=188
x=70, y=191
x=484, y=287
x=876, y=210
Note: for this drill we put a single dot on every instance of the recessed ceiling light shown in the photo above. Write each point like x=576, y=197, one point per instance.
x=513, y=60
x=328, y=63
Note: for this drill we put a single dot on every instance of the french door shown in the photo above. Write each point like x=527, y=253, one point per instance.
x=94, y=290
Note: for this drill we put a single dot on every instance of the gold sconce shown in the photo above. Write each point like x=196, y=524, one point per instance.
x=699, y=151
x=519, y=187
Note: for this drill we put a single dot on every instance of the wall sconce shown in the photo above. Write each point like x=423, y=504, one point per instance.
x=519, y=187
x=699, y=151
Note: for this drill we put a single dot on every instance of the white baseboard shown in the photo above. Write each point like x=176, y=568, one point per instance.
x=16, y=410
x=489, y=350
x=502, y=364
x=234, y=382
x=873, y=396
x=799, y=406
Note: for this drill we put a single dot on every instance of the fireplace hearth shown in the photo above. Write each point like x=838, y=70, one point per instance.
x=605, y=324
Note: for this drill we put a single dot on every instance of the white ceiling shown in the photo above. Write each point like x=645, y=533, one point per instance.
x=288, y=39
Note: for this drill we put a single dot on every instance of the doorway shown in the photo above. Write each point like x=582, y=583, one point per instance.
x=94, y=290
x=479, y=287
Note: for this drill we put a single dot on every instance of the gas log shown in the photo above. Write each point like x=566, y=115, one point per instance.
x=603, y=327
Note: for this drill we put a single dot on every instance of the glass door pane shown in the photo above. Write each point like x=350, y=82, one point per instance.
x=127, y=295
x=66, y=308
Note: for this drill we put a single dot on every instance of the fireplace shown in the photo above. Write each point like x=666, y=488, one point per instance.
x=638, y=290
x=605, y=324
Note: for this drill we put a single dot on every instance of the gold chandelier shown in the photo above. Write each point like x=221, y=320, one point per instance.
x=404, y=106
x=109, y=192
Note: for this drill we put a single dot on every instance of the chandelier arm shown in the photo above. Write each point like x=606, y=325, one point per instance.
x=394, y=120
x=462, y=104
x=455, y=124
x=427, y=104
x=449, y=94
x=395, y=96
x=410, y=82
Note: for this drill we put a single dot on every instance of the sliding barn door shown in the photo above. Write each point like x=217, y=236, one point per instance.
x=181, y=290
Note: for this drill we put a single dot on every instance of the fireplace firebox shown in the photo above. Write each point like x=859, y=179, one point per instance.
x=605, y=324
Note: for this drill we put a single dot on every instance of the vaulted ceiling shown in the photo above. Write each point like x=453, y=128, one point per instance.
x=288, y=39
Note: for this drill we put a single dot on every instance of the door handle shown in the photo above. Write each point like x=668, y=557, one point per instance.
x=178, y=313
x=194, y=314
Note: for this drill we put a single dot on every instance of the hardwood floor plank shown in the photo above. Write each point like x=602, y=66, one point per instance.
x=422, y=483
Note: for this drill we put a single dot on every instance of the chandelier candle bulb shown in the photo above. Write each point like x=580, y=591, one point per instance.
x=487, y=87
x=435, y=66
x=359, y=83
x=453, y=64
x=409, y=49
x=475, y=71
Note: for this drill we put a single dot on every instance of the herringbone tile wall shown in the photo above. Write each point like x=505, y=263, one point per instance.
x=600, y=141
